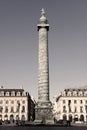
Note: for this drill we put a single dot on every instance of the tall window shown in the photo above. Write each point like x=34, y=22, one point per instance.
x=6, y=109
x=7, y=102
x=75, y=109
x=64, y=109
x=23, y=101
x=81, y=109
x=12, y=109
x=75, y=101
x=1, y=108
x=64, y=101
x=12, y=102
x=69, y=109
x=81, y=101
x=1, y=101
x=23, y=108
x=69, y=102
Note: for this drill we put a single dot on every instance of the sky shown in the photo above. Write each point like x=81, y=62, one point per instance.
x=19, y=44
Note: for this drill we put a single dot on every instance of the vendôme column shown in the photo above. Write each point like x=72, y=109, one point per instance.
x=43, y=108
x=43, y=74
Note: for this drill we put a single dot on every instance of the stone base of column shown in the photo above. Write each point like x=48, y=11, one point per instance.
x=43, y=113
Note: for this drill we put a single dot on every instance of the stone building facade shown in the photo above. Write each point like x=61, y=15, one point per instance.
x=15, y=104
x=71, y=105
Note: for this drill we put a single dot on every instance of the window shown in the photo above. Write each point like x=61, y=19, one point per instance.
x=13, y=93
x=7, y=94
x=12, y=102
x=69, y=93
x=12, y=109
x=18, y=93
x=81, y=101
x=1, y=101
x=80, y=93
x=69, y=109
x=2, y=93
x=18, y=109
x=6, y=109
x=23, y=109
x=1, y=108
x=85, y=93
x=18, y=102
x=75, y=101
x=69, y=102
x=74, y=93
x=23, y=101
x=64, y=109
x=64, y=101
x=7, y=102
x=81, y=109
x=86, y=108
x=75, y=109
x=23, y=118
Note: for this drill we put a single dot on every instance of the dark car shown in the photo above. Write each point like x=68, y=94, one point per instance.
x=62, y=123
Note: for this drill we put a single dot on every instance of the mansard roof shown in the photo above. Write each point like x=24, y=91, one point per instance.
x=10, y=90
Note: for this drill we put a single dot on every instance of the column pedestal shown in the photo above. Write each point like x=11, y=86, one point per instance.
x=43, y=113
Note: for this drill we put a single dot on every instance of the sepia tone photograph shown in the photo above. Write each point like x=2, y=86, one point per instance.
x=43, y=64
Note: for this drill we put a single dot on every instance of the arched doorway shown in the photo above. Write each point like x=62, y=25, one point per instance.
x=11, y=119
x=23, y=118
x=64, y=117
x=81, y=117
x=70, y=118
x=76, y=118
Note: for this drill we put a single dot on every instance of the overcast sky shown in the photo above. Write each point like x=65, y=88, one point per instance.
x=19, y=44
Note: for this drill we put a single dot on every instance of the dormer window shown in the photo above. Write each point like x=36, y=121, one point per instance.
x=69, y=93
x=85, y=93
x=2, y=93
x=13, y=93
x=74, y=93
x=64, y=93
x=18, y=93
x=80, y=93
x=7, y=94
x=23, y=94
